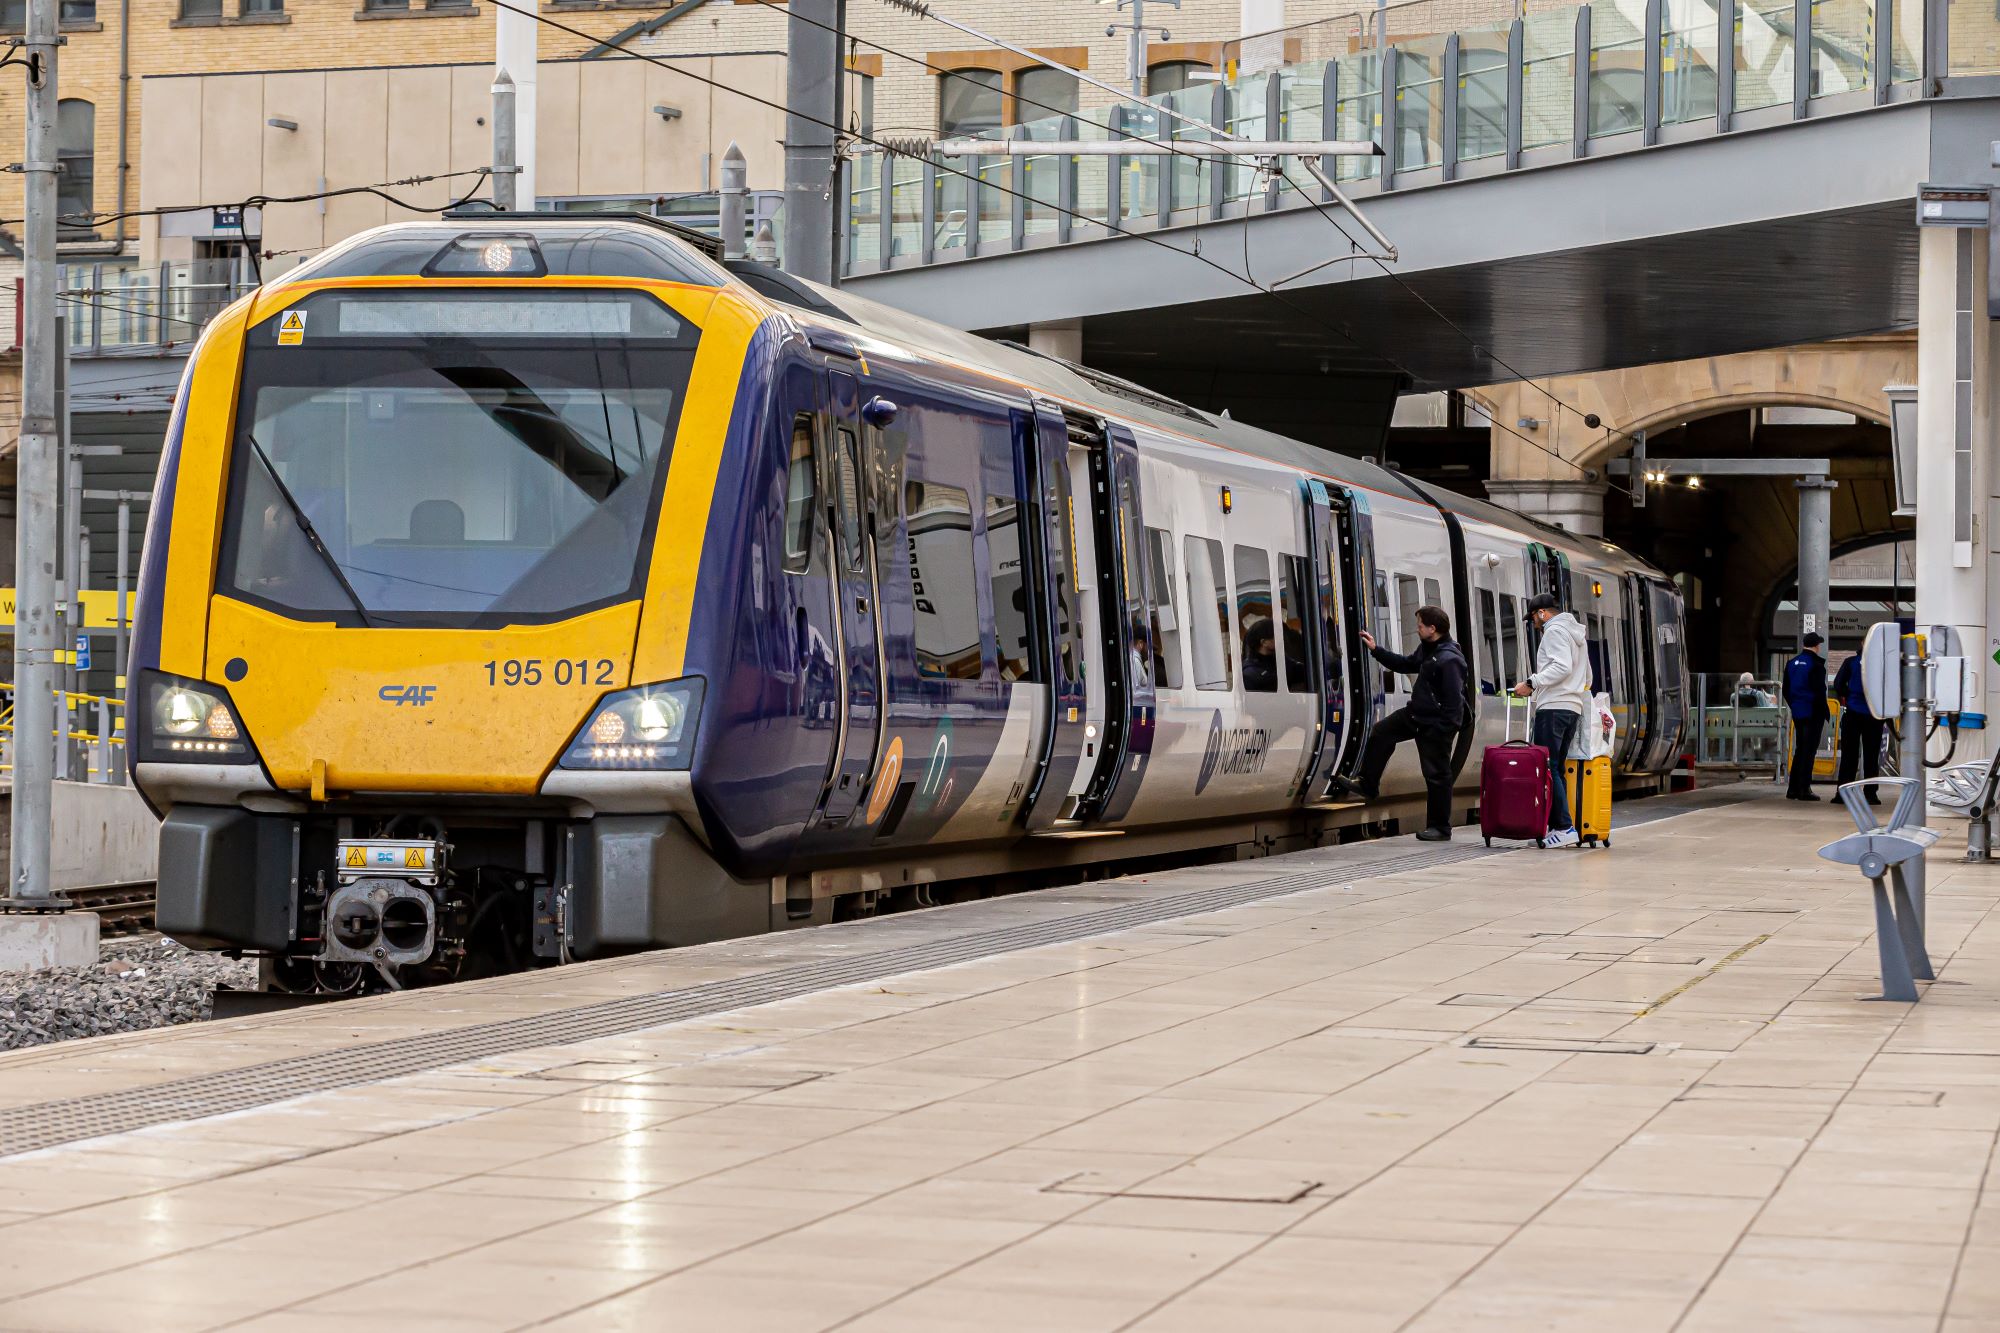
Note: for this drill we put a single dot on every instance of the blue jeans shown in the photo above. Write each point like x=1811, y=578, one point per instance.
x=1555, y=728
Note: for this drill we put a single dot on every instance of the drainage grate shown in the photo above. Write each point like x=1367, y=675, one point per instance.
x=46, y=1124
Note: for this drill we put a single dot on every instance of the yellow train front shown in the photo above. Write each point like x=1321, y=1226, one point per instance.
x=410, y=684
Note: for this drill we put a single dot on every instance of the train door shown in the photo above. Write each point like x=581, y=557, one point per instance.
x=1646, y=675
x=1118, y=704
x=1332, y=644
x=1061, y=633
x=851, y=514
x=1665, y=649
x=1119, y=531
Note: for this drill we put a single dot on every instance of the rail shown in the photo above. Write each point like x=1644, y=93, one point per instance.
x=1451, y=89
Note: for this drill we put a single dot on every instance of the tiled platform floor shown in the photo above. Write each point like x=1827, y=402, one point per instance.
x=1354, y=1108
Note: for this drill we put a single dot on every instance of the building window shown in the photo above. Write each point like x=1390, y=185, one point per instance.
x=1042, y=91
x=77, y=12
x=201, y=9
x=13, y=14
x=378, y=5
x=1170, y=76
x=76, y=151
x=263, y=7
x=864, y=103
x=968, y=102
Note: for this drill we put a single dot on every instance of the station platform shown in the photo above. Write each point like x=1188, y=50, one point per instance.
x=1377, y=1086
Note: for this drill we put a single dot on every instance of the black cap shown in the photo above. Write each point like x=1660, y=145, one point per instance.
x=1543, y=601
x=1812, y=639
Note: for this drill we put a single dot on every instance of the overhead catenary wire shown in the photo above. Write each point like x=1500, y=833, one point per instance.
x=976, y=180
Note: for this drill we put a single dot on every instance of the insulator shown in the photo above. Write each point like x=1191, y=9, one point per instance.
x=916, y=7
x=905, y=146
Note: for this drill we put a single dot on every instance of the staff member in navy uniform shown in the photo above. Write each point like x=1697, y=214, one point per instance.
x=1860, y=730
x=1435, y=713
x=1805, y=695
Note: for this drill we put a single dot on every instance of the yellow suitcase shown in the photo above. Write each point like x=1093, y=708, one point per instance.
x=1589, y=782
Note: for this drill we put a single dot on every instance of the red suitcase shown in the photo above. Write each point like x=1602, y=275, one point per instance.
x=1514, y=789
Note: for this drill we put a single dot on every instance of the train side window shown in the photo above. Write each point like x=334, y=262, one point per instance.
x=942, y=570
x=1253, y=620
x=1593, y=635
x=1010, y=589
x=1292, y=583
x=1510, y=640
x=801, y=492
x=1165, y=606
x=849, y=467
x=1406, y=605
x=1208, y=640
x=1383, y=620
x=1491, y=680
x=1433, y=593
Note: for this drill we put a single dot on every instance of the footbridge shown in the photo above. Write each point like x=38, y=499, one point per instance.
x=1571, y=189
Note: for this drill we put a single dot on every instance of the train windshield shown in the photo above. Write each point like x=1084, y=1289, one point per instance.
x=452, y=457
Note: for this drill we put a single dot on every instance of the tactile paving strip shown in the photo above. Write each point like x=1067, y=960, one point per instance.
x=48, y=1124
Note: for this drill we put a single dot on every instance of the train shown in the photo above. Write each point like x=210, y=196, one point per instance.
x=523, y=588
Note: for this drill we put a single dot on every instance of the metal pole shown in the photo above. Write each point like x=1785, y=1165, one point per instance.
x=505, y=164
x=812, y=77
x=1135, y=51
x=124, y=611
x=735, y=185
x=1916, y=709
x=517, y=53
x=37, y=480
x=1815, y=547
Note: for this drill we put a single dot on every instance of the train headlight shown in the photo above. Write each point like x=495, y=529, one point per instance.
x=187, y=721
x=650, y=727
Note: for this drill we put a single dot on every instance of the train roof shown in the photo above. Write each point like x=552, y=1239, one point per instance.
x=635, y=245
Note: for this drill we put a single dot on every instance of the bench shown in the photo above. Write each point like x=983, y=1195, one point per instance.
x=1891, y=852
x=1970, y=790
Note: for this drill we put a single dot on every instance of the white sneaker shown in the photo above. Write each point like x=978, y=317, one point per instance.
x=1562, y=837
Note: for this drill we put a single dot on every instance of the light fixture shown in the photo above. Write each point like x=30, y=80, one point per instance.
x=280, y=123
x=1694, y=483
x=667, y=112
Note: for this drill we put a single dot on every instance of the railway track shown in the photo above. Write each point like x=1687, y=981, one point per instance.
x=122, y=909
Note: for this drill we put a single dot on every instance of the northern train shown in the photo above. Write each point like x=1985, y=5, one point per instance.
x=522, y=589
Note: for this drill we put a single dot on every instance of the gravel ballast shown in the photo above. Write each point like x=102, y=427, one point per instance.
x=146, y=981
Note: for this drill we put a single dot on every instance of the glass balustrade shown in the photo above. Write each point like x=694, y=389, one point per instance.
x=1133, y=190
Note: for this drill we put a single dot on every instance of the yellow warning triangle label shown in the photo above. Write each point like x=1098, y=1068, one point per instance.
x=355, y=857
x=413, y=858
x=291, y=328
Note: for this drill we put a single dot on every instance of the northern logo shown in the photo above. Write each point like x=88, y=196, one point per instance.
x=417, y=695
x=1231, y=750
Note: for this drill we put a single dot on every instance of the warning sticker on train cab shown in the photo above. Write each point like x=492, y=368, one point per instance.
x=292, y=328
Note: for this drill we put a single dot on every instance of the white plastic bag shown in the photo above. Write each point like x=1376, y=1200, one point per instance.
x=1597, y=731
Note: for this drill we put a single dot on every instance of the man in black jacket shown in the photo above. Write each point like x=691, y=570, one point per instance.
x=1432, y=719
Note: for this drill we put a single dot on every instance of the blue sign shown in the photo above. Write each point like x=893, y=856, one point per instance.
x=227, y=219
x=83, y=652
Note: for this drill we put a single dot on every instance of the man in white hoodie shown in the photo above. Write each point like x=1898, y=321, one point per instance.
x=1561, y=688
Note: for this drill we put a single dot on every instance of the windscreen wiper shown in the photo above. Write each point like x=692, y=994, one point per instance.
x=312, y=534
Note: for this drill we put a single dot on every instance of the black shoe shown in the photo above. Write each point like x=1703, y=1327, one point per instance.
x=1434, y=835
x=1873, y=801
x=1341, y=786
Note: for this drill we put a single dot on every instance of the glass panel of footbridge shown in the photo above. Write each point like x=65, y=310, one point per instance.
x=1843, y=46
x=1617, y=66
x=1687, y=60
x=1763, y=53
x=1482, y=92
x=1548, y=76
x=1973, y=31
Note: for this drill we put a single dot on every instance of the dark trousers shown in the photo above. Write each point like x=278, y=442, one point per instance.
x=1860, y=748
x=1555, y=731
x=1806, y=732
x=1433, y=752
